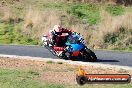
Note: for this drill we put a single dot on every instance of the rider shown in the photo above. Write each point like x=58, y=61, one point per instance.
x=54, y=33
x=58, y=30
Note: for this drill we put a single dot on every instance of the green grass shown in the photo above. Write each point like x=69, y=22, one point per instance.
x=115, y=10
x=11, y=34
x=50, y=62
x=22, y=79
x=87, y=12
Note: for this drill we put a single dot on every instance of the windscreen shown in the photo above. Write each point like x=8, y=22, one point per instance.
x=73, y=39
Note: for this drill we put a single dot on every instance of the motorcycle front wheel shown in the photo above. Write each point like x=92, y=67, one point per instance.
x=90, y=55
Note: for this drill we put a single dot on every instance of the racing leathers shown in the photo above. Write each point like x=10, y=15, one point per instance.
x=55, y=34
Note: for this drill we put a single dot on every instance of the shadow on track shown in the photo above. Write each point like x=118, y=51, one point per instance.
x=99, y=60
x=86, y=60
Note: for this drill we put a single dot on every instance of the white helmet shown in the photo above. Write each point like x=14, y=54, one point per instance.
x=57, y=28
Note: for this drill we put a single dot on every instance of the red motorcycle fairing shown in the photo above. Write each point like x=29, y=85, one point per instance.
x=75, y=53
x=49, y=34
x=58, y=48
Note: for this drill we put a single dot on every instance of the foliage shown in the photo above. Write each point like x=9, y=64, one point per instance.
x=10, y=33
x=115, y=10
x=119, y=40
x=88, y=12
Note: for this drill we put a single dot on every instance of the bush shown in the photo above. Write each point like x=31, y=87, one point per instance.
x=2, y=29
x=115, y=10
x=35, y=42
x=119, y=40
x=5, y=41
x=2, y=32
x=110, y=38
x=88, y=12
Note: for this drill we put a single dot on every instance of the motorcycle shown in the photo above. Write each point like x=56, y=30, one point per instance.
x=73, y=46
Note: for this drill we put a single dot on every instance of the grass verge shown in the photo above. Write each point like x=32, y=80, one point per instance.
x=22, y=79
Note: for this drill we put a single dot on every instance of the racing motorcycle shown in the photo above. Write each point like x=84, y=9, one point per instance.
x=70, y=46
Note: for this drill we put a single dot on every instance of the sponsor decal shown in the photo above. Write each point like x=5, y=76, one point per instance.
x=82, y=78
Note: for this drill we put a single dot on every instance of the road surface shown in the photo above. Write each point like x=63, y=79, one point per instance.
x=105, y=57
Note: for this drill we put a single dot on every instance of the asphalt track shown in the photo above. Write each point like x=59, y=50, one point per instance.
x=105, y=57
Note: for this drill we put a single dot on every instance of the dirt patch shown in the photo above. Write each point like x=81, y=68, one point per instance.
x=59, y=77
x=54, y=72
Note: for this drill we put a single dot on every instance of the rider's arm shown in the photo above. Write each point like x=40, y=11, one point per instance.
x=64, y=30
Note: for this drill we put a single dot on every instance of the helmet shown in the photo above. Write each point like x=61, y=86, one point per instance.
x=57, y=28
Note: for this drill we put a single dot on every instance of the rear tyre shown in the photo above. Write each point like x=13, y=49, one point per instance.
x=90, y=55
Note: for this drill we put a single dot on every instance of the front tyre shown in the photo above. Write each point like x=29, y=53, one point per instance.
x=89, y=54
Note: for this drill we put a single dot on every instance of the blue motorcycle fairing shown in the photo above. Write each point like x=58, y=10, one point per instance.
x=67, y=43
x=75, y=47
